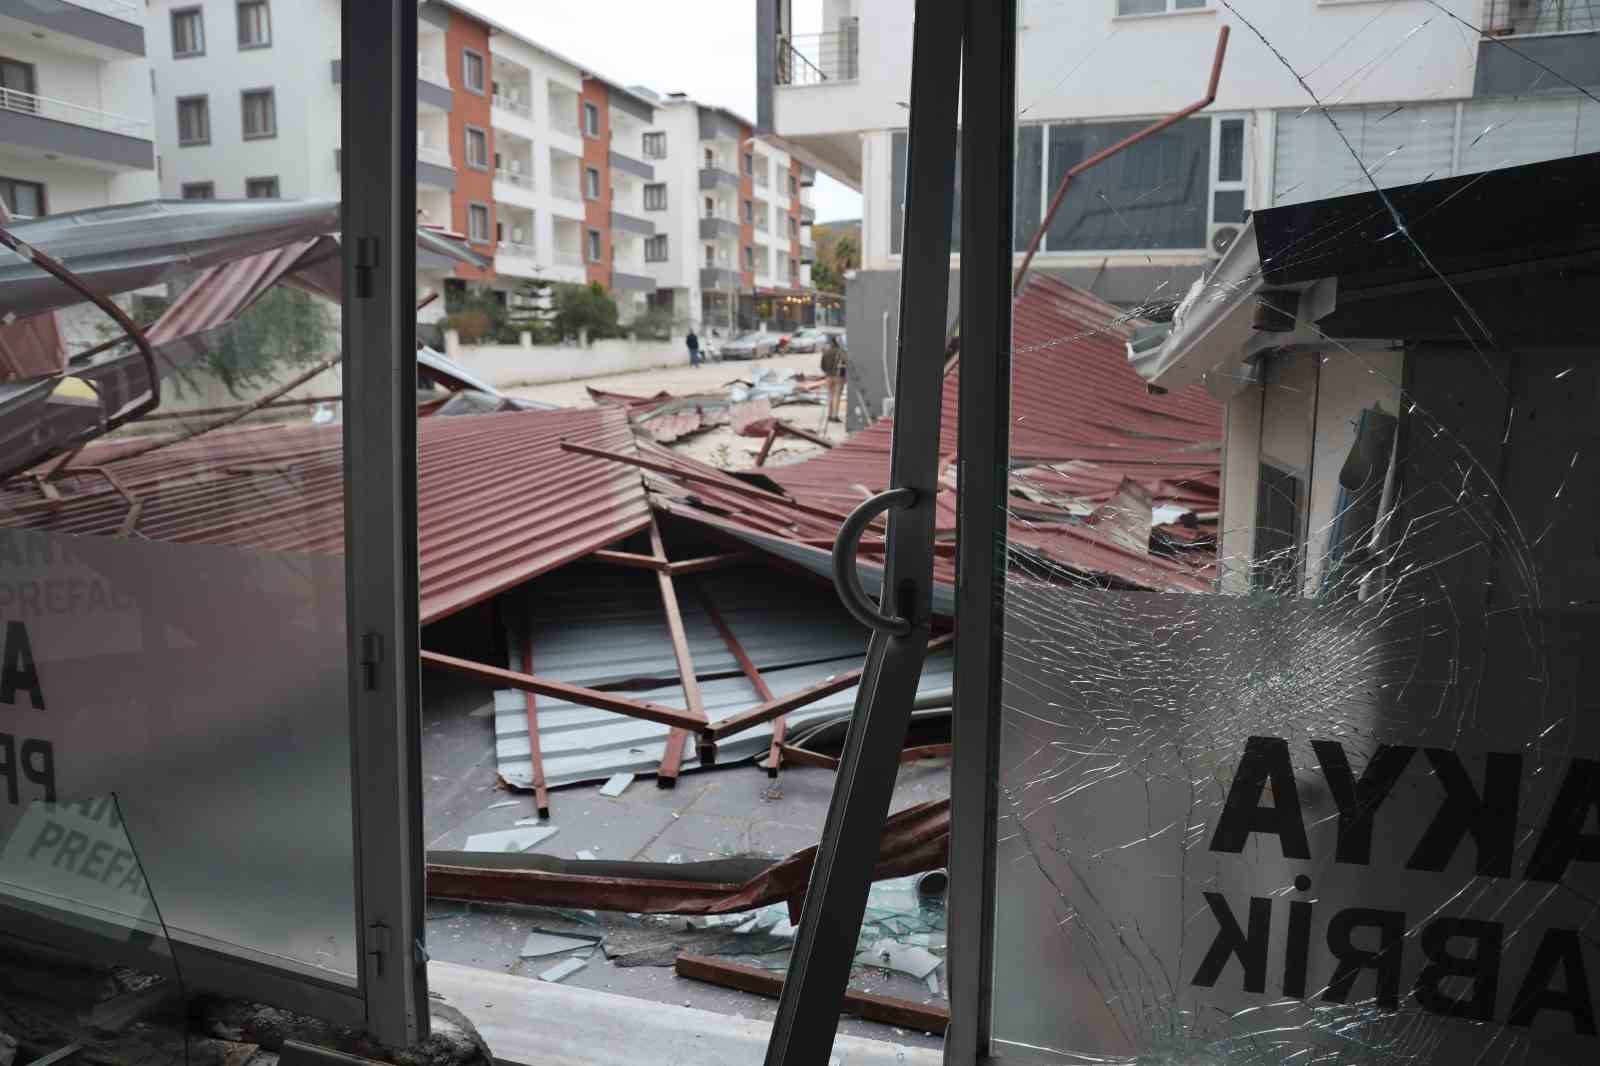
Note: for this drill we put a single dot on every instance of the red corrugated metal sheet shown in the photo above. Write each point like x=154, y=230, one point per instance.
x=499, y=501
x=222, y=293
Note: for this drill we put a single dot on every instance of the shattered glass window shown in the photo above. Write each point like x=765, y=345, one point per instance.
x=1300, y=746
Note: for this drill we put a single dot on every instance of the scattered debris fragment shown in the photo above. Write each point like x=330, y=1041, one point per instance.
x=903, y=958
x=540, y=944
x=507, y=803
x=515, y=840
x=586, y=856
x=563, y=970
x=616, y=785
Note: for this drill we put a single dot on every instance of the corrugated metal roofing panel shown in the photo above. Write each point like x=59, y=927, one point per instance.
x=499, y=500
x=579, y=744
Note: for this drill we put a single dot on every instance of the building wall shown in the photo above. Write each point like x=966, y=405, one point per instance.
x=679, y=172
x=470, y=108
x=597, y=213
x=747, y=232
x=794, y=212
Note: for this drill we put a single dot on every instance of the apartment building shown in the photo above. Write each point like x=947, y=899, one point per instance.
x=1417, y=92
x=733, y=246
x=75, y=109
x=513, y=140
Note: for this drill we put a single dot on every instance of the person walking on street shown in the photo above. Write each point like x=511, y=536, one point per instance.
x=694, y=347
x=833, y=365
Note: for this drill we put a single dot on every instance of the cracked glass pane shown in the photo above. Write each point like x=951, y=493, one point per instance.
x=1301, y=743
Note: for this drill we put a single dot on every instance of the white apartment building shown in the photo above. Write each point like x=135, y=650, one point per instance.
x=1418, y=93
x=75, y=106
x=733, y=212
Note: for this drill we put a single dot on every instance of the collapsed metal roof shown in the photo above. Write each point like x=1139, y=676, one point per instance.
x=499, y=501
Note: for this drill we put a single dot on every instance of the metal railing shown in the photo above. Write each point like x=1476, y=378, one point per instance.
x=515, y=250
x=516, y=107
x=428, y=72
x=816, y=58
x=564, y=123
x=563, y=190
x=513, y=177
x=76, y=114
x=125, y=10
x=439, y=157
x=1503, y=18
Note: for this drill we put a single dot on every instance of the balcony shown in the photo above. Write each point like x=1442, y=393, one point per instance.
x=515, y=177
x=716, y=177
x=713, y=228
x=629, y=165
x=99, y=138
x=84, y=27
x=434, y=167
x=808, y=253
x=808, y=214
x=519, y=251
x=719, y=278
x=428, y=72
x=1558, y=46
x=621, y=223
x=568, y=259
x=819, y=58
x=632, y=282
x=513, y=107
x=564, y=121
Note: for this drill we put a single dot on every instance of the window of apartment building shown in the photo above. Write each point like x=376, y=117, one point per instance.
x=749, y=163
x=711, y=207
x=593, y=247
x=655, y=146
x=17, y=86
x=591, y=119
x=655, y=249
x=794, y=228
x=763, y=216
x=255, y=24
x=1157, y=7
x=194, y=120
x=24, y=199
x=188, y=33
x=794, y=186
x=477, y=148
x=478, y=223
x=749, y=258
x=261, y=188
x=655, y=197
x=710, y=159
x=260, y=114
x=591, y=183
x=472, y=70
x=711, y=256
x=794, y=271
x=763, y=171
x=749, y=211
x=198, y=190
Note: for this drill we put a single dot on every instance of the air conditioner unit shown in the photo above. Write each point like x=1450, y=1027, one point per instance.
x=1222, y=238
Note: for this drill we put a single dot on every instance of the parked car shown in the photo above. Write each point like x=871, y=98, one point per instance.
x=753, y=345
x=808, y=340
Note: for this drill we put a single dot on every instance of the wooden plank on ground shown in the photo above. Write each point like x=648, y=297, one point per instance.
x=886, y=1009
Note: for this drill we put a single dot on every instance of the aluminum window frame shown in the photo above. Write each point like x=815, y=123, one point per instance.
x=466, y=147
x=209, y=186
x=172, y=28
x=277, y=186
x=239, y=24
x=271, y=95
x=651, y=243
x=11, y=200
x=656, y=137
x=588, y=109
x=660, y=188
x=473, y=207
x=594, y=245
x=481, y=88
x=204, y=99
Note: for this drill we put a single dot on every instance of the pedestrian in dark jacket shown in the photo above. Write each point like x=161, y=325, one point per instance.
x=694, y=348
x=833, y=365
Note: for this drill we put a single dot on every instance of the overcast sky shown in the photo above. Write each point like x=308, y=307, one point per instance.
x=706, y=49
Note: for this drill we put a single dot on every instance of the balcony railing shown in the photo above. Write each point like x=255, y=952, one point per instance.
x=514, y=177
x=516, y=251
x=564, y=123
x=76, y=114
x=817, y=58
x=428, y=72
x=439, y=157
x=565, y=190
x=1505, y=18
x=570, y=259
x=126, y=10
x=516, y=107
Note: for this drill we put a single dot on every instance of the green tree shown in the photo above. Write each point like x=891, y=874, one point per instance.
x=838, y=252
x=285, y=329
x=585, y=307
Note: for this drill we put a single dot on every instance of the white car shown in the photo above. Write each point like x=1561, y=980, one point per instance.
x=756, y=344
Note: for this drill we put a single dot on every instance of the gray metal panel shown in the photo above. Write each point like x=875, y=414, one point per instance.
x=1504, y=72
x=716, y=277
x=578, y=744
x=808, y=174
x=713, y=228
x=807, y=213
x=434, y=14
x=629, y=165
x=712, y=177
x=81, y=142
x=715, y=124
x=766, y=64
x=632, y=282
x=628, y=103
x=629, y=224
x=434, y=174
x=434, y=95
x=71, y=20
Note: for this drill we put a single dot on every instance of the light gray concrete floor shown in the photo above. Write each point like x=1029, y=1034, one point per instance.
x=732, y=810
